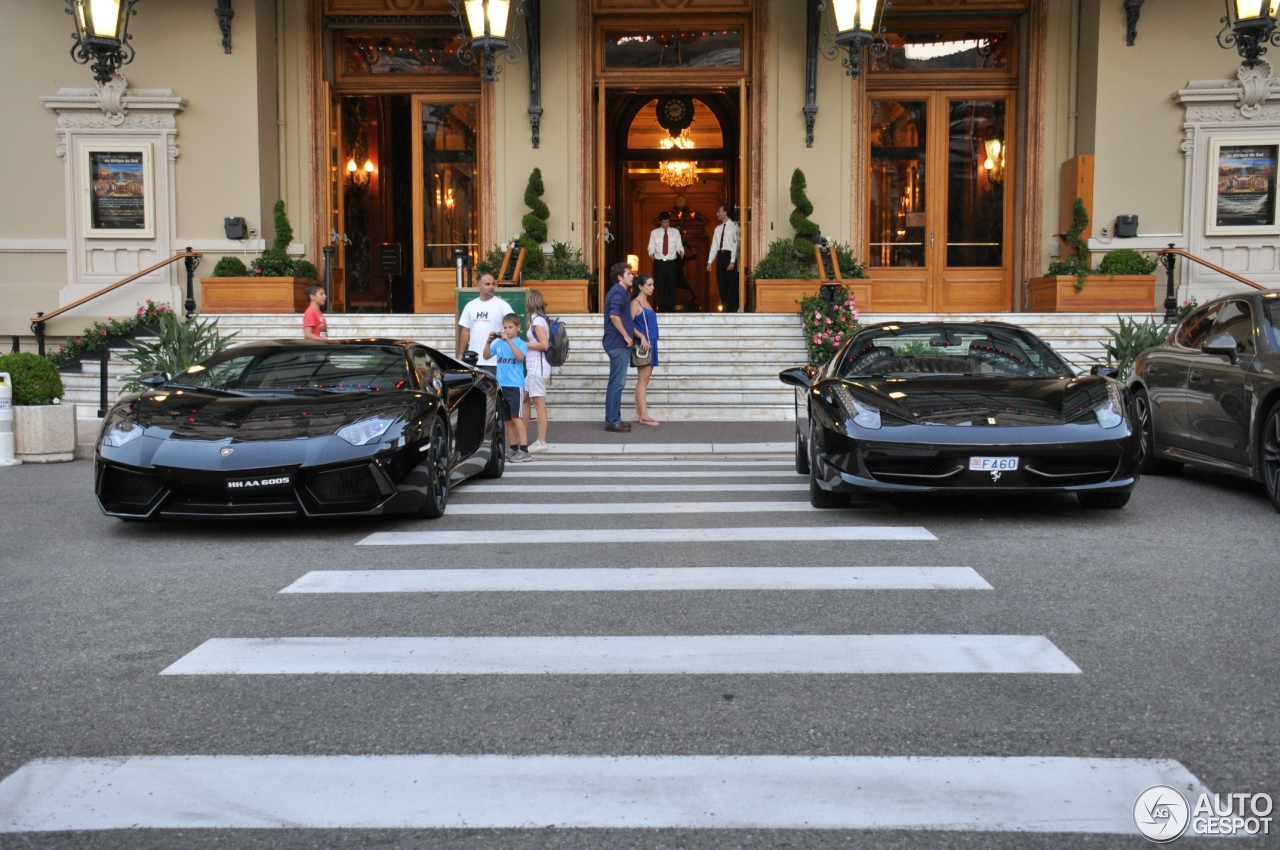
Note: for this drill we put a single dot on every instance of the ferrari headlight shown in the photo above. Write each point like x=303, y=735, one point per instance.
x=1111, y=412
x=119, y=431
x=863, y=415
x=365, y=431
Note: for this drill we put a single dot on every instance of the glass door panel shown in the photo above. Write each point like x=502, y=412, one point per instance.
x=450, y=194
x=898, y=221
x=975, y=183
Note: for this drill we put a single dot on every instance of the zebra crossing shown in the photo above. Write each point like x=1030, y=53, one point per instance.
x=915, y=791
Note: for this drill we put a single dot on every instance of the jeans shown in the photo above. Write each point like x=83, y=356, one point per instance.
x=619, y=360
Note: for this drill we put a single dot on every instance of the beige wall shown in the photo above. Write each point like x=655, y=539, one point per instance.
x=827, y=165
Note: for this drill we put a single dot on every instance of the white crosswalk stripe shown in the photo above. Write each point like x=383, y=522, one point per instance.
x=638, y=578
x=626, y=487
x=648, y=535
x=1067, y=795
x=626, y=655
x=688, y=463
x=624, y=508
x=533, y=472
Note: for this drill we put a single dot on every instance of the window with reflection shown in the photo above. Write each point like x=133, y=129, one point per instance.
x=695, y=47
x=975, y=183
x=897, y=212
x=945, y=51
x=450, y=194
x=399, y=54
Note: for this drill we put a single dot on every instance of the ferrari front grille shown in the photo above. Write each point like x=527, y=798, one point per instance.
x=349, y=484
x=1085, y=466
x=912, y=467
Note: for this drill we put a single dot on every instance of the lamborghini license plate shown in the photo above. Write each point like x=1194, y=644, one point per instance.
x=992, y=464
x=260, y=484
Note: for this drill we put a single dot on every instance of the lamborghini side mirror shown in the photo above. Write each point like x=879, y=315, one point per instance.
x=153, y=380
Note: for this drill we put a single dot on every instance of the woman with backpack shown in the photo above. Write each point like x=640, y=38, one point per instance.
x=537, y=371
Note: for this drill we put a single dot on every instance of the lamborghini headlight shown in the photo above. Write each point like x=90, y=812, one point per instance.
x=366, y=430
x=118, y=431
x=860, y=413
x=1111, y=412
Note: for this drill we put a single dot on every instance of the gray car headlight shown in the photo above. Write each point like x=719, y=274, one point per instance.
x=366, y=430
x=118, y=431
x=861, y=414
x=1111, y=412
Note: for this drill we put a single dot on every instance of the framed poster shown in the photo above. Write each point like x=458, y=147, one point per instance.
x=1242, y=185
x=119, y=193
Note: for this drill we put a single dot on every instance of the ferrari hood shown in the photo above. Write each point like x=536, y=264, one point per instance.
x=194, y=415
x=983, y=401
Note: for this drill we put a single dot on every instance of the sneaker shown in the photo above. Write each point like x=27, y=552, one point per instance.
x=523, y=457
x=537, y=446
x=512, y=455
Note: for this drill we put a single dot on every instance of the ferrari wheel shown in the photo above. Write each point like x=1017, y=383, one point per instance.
x=498, y=456
x=802, y=455
x=1269, y=456
x=818, y=497
x=1103, y=500
x=437, y=474
x=1152, y=463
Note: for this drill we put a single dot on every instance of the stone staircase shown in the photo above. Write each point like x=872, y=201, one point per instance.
x=712, y=367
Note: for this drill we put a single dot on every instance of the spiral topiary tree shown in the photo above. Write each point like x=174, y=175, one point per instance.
x=806, y=230
x=534, y=223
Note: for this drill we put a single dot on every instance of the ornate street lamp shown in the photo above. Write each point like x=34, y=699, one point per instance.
x=485, y=34
x=858, y=29
x=1249, y=26
x=102, y=35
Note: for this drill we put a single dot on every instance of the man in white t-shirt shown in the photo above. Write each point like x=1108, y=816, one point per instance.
x=481, y=317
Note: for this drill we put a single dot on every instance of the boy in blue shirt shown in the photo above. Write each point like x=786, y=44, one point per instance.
x=509, y=350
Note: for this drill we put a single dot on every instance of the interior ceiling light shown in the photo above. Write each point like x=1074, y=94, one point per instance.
x=678, y=173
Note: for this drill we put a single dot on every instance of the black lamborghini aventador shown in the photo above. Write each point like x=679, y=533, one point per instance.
x=297, y=428
x=955, y=407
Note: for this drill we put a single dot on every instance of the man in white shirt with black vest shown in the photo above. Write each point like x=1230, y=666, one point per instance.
x=666, y=249
x=724, y=258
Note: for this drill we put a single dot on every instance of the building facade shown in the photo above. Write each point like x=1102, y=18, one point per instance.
x=941, y=165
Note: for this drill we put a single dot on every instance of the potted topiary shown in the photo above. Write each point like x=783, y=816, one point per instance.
x=784, y=276
x=535, y=226
x=44, y=430
x=271, y=283
x=1124, y=280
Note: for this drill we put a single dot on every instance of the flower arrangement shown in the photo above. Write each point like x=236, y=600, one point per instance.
x=91, y=338
x=827, y=324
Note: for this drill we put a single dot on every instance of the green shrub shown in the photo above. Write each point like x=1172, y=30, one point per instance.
x=827, y=326
x=35, y=379
x=177, y=347
x=850, y=268
x=92, y=337
x=230, y=266
x=306, y=270
x=783, y=262
x=284, y=230
x=1126, y=261
x=566, y=263
x=492, y=262
x=806, y=230
x=275, y=261
x=534, y=224
x=1077, y=262
x=1131, y=339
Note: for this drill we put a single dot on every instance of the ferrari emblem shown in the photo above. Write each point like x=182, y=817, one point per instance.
x=995, y=475
x=226, y=450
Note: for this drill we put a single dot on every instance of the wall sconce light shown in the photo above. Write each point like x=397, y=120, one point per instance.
x=484, y=32
x=360, y=176
x=102, y=35
x=858, y=29
x=994, y=163
x=633, y=260
x=1249, y=26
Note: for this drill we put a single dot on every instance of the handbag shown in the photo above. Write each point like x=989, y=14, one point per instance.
x=642, y=355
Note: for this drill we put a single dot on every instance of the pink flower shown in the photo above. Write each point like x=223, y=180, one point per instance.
x=816, y=340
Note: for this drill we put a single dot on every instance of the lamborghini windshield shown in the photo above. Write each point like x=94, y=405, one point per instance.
x=323, y=368
x=906, y=351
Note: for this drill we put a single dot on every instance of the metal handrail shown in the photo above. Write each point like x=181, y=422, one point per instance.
x=1168, y=257
x=192, y=260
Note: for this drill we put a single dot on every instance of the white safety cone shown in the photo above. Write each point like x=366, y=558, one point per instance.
x=6, y=422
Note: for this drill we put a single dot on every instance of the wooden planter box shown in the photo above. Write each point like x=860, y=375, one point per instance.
x=45, y=433
x=783, y=296
x=562, y=296
x=1101, y=294
x=253, y=294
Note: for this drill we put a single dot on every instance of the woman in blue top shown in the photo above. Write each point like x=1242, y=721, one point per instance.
x=645, y=321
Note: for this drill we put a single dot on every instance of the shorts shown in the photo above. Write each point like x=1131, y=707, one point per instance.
x=511, y=395
x=535, y=380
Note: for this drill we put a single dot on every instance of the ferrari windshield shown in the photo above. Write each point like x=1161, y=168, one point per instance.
x=322, y=368
x=906, y=351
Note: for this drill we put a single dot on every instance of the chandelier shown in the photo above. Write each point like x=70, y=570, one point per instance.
x=678, y=173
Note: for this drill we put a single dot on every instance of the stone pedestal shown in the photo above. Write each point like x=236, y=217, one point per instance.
x=45, y=433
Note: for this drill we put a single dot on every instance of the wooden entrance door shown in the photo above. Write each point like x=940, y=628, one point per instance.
x=940, y=221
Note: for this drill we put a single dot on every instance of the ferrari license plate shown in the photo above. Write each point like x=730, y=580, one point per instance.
x=992, y=464
x=259, y=484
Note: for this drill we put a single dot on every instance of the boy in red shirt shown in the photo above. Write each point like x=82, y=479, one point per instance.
x=314, y=326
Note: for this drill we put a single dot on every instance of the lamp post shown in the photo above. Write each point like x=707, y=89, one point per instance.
x=1249, y=26
x=858, y=30
x=485, y=33
x=102, y=35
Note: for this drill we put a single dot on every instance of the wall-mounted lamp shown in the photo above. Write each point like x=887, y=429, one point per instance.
x=1249, y=26
x=360, y=176
x=102, y=35
x=858, y=30
x=485, y=34
x=633, y=260
x=994, y=163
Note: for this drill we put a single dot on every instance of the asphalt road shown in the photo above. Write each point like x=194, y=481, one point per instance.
x=1166, y=607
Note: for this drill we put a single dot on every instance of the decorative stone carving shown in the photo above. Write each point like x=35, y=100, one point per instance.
x=1255, y=85
x=111, y=99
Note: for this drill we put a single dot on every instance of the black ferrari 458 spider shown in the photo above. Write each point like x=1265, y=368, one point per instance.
x=953, y=407
x=296, y=428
